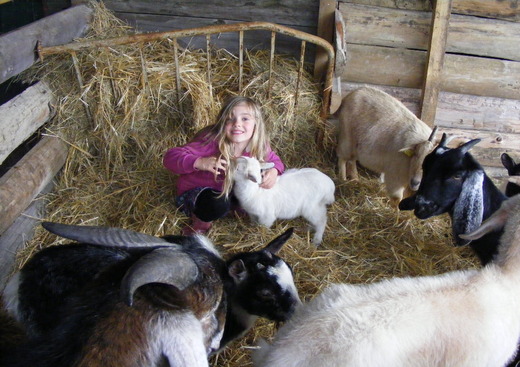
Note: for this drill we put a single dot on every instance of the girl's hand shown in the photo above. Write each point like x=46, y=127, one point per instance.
x=269, y=178
x=210, y=164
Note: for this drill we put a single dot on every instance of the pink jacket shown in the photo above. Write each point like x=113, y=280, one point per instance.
x=180, y=160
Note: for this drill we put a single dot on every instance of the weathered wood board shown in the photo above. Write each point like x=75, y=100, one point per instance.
x=499, y=9
x=21, y=231
x=435, y=61
x=146, y=16
x=22, y=116
x=404, y=68
x=253, y=40
x=18, y=48
x=388, y=47
x=289, y=13
x=372, y=25
x=22, y=183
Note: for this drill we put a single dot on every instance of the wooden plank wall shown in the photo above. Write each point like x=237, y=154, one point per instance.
x=23, y=181
x=153, y=16
x=480, y=84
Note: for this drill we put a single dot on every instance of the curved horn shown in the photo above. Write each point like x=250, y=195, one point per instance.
x=464, y=148
x=163, y=265
x=496, y=221
x=432, y=135
x=104, y=236
x=443, y=142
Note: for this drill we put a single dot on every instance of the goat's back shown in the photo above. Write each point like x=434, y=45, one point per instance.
x=429, y=321
x=308, y=181
x=377, y=123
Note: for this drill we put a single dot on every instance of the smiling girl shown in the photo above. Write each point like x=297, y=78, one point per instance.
x=203, y=187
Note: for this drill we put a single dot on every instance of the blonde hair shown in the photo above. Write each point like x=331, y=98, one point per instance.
x=258, y=145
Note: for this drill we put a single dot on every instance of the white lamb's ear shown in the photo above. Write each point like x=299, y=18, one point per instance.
x=239, y=164
x=240, y=160
x=266, y=165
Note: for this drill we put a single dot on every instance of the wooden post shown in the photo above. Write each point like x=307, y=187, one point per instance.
x=20, y=185
x=340, y=62
x=23, y=115
x=433, y=75
x=325, y=31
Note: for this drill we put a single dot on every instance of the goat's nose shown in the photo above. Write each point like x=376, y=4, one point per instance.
x=424, y=208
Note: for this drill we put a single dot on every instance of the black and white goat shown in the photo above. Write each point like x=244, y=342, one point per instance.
x=454, y=182
x=124, y=298
x=513, y=170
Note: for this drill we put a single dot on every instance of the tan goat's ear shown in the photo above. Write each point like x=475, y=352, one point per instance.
x=408, y=151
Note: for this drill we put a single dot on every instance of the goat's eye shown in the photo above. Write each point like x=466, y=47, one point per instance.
x=457, y=176
x=265, y=294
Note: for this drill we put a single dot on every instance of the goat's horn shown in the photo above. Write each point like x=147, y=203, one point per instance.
x=432, y=135
x=464, y=148
x=443, y=142
x=104, y=236
x=496, y=221
x=163, y=265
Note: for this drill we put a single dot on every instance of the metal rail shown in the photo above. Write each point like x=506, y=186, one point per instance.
x=215, y=29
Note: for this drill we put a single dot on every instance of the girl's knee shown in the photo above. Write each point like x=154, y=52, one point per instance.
x=209, y=206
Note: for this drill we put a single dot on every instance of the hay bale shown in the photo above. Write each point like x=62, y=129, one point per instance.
x=114, y=174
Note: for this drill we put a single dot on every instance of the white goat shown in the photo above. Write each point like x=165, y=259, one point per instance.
x=302, y=192
x=464, y=318
x=384, y=136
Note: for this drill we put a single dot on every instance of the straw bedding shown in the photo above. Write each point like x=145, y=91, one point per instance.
x=114, y=175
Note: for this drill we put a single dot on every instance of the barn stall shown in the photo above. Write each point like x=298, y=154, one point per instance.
x=107, y=112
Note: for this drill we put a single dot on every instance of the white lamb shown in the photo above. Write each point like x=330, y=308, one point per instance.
x=302, y=192
x=464, y=318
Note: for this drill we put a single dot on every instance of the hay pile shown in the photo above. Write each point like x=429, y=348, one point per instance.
x=114, y=174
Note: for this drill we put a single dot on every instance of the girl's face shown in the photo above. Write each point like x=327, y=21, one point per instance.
x=240, y=125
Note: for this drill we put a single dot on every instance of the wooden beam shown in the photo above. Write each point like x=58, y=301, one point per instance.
x=20, y=185
x=340, y=62
x=23, y=115
x=19, y=233
x=18, y=48
x=435, y=62
x=326, y=21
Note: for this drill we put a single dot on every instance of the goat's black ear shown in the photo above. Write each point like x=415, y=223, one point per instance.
x=275, y=245
x=237, y=270
x=507, y=162
x=468, y=210
x=464, y=148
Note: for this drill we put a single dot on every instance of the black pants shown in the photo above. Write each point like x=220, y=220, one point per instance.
x=209, y=206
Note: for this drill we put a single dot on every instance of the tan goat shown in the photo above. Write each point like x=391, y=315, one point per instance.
x=380, y=133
